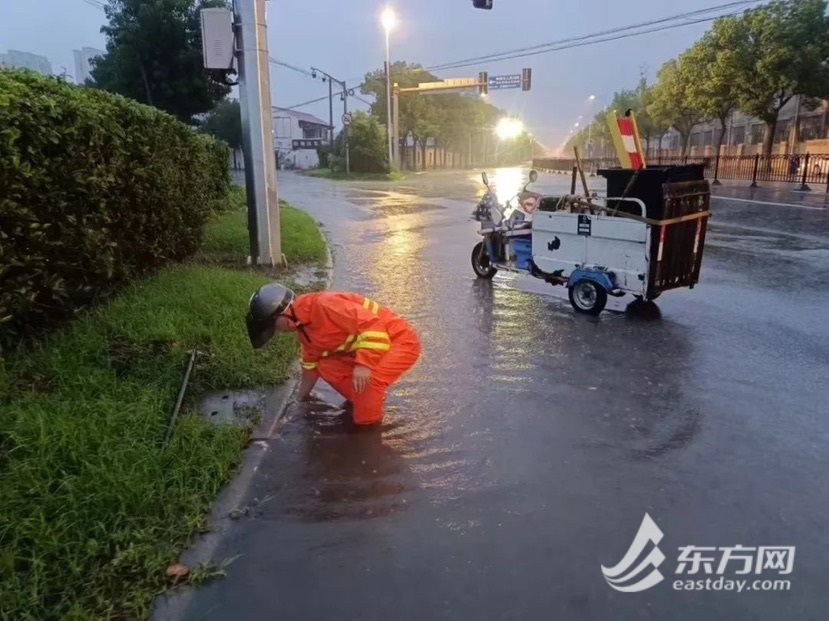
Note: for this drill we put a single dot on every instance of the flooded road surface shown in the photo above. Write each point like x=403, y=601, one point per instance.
x=523, y=452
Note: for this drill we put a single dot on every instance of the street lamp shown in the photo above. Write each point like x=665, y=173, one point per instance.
x=389, y=21
x=509, y=128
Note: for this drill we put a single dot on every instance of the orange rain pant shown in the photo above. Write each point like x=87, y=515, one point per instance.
x=368, y=405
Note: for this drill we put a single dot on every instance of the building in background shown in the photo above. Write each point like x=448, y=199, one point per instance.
x=15, y=59
x=296, y=138
x=83, y=63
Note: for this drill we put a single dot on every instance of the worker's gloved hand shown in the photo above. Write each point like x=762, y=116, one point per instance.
x=361, y=377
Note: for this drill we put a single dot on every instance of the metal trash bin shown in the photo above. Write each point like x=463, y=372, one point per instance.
x=648, y=185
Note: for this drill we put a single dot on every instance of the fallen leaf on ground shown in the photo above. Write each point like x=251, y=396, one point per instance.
x=177, y=571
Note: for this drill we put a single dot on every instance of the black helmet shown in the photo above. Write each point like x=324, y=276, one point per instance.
x=264, y=307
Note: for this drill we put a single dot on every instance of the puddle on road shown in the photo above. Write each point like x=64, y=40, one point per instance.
x=228, y=407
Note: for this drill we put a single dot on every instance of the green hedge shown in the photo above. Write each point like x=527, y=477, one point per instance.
x=95, y=190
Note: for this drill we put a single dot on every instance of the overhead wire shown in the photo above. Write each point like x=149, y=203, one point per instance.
x=95, y=3
x=601, y=36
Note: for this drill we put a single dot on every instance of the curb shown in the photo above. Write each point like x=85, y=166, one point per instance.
x=174, y=604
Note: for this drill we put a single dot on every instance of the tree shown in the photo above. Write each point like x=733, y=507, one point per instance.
x=710, y=78
x=775, y=53
x=456, y=121
x=448, y=118
x=225, y=123
x=368, y=146
x=650, y=127
x=418, y=114
x=154, y=55
x=670, y=105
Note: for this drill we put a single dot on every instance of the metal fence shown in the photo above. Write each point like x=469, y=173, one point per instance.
x=805, y=170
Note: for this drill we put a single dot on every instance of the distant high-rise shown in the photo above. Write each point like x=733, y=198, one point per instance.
x=83, y=63
x=15, y=59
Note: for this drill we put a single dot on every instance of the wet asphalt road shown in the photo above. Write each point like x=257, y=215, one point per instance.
x=523, y=451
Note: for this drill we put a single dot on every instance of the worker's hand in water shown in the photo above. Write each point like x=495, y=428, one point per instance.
x=309, y=398
x=360, y=378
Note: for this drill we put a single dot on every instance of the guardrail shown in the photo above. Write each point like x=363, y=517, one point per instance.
x=802, y=169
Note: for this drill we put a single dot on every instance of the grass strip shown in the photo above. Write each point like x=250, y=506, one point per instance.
x=94, y=506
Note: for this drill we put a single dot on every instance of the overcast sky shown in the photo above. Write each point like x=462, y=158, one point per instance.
x=345, y=39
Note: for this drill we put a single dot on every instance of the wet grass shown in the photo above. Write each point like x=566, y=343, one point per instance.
x=325, y=173
x=95, y=506
x=227, y=240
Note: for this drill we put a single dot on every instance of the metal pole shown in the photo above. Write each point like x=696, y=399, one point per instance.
x=257, y=130
x=803, y=185
x=346, y=131
x=396, y=129
x=388, y=100
x=331, y=111
x=754, y=174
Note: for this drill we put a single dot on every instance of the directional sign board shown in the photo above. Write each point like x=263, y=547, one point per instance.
x=499, y=82
x=450, y=83
x=346, y=119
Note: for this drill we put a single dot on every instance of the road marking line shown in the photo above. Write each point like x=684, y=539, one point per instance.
x=748, y=200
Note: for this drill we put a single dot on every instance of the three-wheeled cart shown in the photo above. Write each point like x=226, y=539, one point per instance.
x=646, y=237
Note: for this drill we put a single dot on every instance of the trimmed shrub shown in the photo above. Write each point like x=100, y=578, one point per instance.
x=95, y=190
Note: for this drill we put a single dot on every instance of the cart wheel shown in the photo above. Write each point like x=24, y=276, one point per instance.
x=588, y=297
x=480, y=262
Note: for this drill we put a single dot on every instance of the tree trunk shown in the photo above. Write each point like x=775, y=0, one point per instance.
x=684, y=136
x=724, y=127
x=768, y=141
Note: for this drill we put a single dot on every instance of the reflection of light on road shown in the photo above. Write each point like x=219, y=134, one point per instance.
x=399, y=245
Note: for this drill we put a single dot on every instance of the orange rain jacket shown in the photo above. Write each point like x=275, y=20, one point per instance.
x=340, y=330
x=347, y=325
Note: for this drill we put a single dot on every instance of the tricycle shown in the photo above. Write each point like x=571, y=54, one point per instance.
x=600, y=247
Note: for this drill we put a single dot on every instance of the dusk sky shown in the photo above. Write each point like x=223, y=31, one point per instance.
x=345, y=39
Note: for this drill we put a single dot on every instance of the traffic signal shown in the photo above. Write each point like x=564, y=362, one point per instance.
x=482, y=4
x=483, y=83
x=526, y=79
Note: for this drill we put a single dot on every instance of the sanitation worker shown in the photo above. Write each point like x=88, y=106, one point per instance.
x=359, y=347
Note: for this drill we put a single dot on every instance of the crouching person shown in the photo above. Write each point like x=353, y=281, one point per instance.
x=359, y=347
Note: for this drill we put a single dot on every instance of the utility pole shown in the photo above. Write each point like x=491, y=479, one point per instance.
x=346, y=131
x=345, y=93
x=331, y=112
x=257, y=129
x=396, y=129
x=389, y=111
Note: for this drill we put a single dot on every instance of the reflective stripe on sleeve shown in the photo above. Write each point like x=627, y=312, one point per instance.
x=372, y=340
x=374, y=307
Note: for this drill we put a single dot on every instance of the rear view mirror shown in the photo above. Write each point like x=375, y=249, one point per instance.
x=485, y=178
x=533, y=176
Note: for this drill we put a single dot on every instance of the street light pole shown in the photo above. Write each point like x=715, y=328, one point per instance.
x=389, y=21
x=388, y=100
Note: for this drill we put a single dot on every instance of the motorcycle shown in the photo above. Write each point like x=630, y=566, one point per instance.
x=506, y=230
